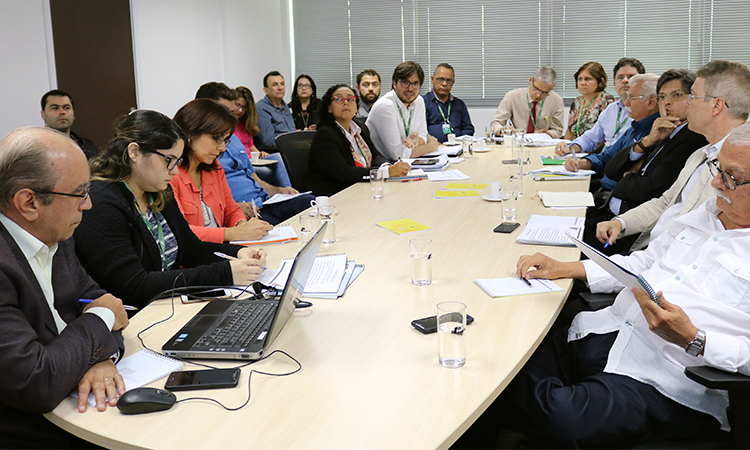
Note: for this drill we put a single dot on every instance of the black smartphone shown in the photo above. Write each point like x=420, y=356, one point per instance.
x=429, y=324
x=189, y=380
x=506, y=227
x=211, y=294
x=510, y=161
x=425, y=161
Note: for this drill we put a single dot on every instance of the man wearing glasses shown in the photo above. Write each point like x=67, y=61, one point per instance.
x=51, y=344
x=719, y=101
x=536, y=109
x=446, y=114
x=397, y=121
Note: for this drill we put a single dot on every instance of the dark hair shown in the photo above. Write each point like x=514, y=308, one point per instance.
x=686, y=76
x=597, y=71
x=444, y=65
x=632, y=62
x=203, y=116
x=370, y=72
x=215, y=90
x=405, y=70
x=250, y=119
x=56, y=93
x=325, y=116
x=295, y=103
x=273, y=73
x=149, y=129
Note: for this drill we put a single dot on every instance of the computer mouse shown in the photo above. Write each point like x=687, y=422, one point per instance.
x=145, y=400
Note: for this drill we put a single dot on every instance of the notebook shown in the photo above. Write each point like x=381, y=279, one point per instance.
x=243, y=329
x=551, y=230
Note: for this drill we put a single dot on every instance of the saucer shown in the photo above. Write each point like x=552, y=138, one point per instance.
x=490, y=199
x=486, y=149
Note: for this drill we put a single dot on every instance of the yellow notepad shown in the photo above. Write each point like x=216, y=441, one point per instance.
x=402, y=226
x=466, y=186
x=454, y=194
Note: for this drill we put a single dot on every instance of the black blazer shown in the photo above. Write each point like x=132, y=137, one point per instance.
x=663, y=168
x=331, y=166
x=41, y=367
x=119, y=252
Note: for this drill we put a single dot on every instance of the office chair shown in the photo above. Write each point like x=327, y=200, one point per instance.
x=295, y=149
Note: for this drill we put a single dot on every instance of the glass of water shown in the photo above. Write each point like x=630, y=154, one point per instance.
x=308, y=224
x=421, y=261
x=451, y=324
x=327, y=214
x=468, y=149
x=376, y=184
x=510, y=202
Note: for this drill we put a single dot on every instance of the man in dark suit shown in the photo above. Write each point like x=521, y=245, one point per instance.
x=650, y=166
x=50, y=344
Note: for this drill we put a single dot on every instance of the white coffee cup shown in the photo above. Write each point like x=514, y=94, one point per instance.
x=451, y=138
x=496, y=190
x=482, y=145
x=255, y=156
x=319, y=202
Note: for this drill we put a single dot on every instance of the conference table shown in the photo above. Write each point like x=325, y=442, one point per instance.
x=368, y=379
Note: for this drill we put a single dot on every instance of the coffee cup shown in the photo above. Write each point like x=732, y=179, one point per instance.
x=496, y=190
x=255, y=156
x=451, y=138
x=319, y=202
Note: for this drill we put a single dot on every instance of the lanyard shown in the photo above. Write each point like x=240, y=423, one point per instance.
x=531, y=114
x=618, y=123
x=445, y=120
x=406, y=127
x=158, y=233
x=585, y=112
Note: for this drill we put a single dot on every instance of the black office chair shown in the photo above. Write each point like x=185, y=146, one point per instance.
x=295, y=149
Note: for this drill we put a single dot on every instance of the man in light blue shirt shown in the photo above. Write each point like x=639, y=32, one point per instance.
x=274, y=116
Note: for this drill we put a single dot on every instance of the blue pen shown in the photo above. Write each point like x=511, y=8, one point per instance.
x=88, y=300
x=606, y=244
x=231, y=258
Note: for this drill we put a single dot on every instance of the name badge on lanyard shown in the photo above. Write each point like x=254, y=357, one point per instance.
x=447, y=128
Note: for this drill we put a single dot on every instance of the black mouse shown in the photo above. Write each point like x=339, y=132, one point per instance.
x=145, y=400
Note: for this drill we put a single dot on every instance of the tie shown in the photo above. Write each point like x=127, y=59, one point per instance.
x=532, y=118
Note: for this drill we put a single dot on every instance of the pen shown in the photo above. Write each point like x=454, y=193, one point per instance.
x=526, y=281
x=255, y=209
x=231, y=258
x=606, y=244
x=88, y=300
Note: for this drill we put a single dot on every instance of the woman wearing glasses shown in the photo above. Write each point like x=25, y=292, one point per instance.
x=201, y=188
x=134, y=241
x=304, y=103
x=342, y=152
x=591, y=80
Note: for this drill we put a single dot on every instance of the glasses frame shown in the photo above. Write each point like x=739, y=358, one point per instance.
x=447, y=81
x=240, y=106
x=405, y=84
x=83, y=196
x=172, y=162
x=714, y=170
x=679, y=93
x=342, y=100
x=692, y=97
x=221, y=140
x=544, y=93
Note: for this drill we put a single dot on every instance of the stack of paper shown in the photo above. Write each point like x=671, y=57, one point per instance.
x=559, y=173
x=540, y=140
x=448, y=150
x=456, y=194
x=566, y=199
x=329, y=278
x=466, y=186
x=507, y=287
x=551, y=230
x=435, y=164
x=280, y=233
x=447, y=175
x=414, y=174
x=402, y=226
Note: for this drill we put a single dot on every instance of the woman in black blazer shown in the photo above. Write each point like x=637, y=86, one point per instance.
x=134, y=240
x=340, y=158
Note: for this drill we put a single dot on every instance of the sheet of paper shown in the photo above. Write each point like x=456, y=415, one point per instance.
x=402, y=226
x=561, y=171
x=456, y=194
x=466, y=186
x=449, y=150
x=447, y=175
x=278, y=198
x=566, y=199
x=327, y=273
x=280, y=233
x=508, y=287
x=551, y=230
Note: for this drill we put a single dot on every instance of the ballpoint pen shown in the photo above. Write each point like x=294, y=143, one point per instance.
x=231, y=258
x=527, y=281
x=255, y=209
x=88, y=300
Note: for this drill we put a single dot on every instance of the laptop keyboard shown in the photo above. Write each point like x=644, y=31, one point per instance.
x=239, y=328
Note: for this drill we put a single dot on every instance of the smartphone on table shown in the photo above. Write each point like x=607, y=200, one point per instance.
x=188, y=380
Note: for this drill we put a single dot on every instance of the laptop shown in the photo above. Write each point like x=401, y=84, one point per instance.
x=244, y=329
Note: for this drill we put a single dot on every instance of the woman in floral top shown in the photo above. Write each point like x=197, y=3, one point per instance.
x=591, y=80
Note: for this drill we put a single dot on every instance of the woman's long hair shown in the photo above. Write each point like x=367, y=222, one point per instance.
x=203, y=116
x=295, y=104
x=250, y=118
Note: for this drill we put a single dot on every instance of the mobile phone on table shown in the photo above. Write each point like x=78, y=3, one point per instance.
x=506, y=227
x=429, y=324
x=425, y=161
x=206, y=294
x=188, y=380
x=510, y=161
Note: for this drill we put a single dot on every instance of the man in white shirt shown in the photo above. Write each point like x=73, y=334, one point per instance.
x=616, y=377
x=720, y=101
x=50, y=343
x=397, y=121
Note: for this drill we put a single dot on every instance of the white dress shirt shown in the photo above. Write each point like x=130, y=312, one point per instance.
x=39, y=256
x=387, y=128
x=703, y=268
x=604, y=128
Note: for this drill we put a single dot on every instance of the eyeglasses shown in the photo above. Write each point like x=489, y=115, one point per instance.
x=728, y=179
x=172, y=162
x=221, y=140
x=405, y=84
x=675, y=96
x=692, y=97
x=445, y=80
x=544, y=93
x=627, y=97
x=83, y=196
x=304, y=86
x=240, y=106
x=341, y=100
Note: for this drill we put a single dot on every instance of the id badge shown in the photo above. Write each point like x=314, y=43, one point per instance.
x=446, y=128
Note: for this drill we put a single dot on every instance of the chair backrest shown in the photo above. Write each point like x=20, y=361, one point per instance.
x=295, y=149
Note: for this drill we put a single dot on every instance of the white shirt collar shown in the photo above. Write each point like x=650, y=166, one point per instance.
x=27, y=242
x=712, y=150
x=353, y=129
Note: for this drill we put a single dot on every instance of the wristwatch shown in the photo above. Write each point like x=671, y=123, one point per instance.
x=695, y=347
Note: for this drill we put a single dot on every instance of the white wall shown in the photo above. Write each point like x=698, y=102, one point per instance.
x=181, y=44
x=27, y=66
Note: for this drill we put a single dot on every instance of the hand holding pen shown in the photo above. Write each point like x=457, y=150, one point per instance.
x=112, y=303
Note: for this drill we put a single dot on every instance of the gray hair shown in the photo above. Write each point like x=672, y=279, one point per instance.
x=649, y=80
x=546, y=74
x=729, y=80
x=25, y=163
x=444, y=65
x=739, y=137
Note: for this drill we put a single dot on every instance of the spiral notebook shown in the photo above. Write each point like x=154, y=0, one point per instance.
x=622, y=274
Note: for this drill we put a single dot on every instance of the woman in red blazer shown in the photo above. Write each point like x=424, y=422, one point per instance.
x=201, y=188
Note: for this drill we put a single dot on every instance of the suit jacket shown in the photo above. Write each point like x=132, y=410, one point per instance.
x=643, y=218
x=119, y=252
x=331, y=165
x=41, y=367
x=662, y=168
